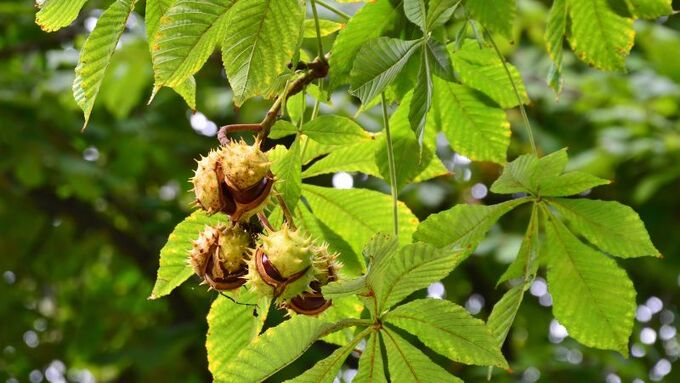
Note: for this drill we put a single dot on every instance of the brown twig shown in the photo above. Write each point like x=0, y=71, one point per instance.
x=311, y=71
x=286, y=212
x=264, y=221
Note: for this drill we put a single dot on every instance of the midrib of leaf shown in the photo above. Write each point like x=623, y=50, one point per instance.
x=376, y=342
x=403, y=356
x=431, y=325
x=578, y=271
x=401, y=276
x=252, y=50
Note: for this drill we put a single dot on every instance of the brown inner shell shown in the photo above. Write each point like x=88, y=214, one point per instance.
x=271, y=275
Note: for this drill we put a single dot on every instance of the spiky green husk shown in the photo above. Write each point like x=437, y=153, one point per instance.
x=254, y=281
x=234, y=245
x=244, y=165
x=206, y=183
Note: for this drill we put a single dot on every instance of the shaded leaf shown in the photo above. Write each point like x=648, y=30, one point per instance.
x=288, y=173
x=498, y=16
x=503, y=314
x=439, y=12
x=371, y=365
x=377, y=64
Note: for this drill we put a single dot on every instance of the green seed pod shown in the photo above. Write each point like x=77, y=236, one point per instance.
x=244, y=166
x=207, y=182
x=219, y=256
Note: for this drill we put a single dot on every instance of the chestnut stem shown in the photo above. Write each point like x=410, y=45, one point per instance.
x=222, y=134
x=286, y=212
x=264, y=221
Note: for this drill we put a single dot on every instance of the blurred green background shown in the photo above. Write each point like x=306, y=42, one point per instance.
x=83, y=215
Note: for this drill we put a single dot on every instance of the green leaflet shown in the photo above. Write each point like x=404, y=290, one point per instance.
x=186, y=37
x=463, y=226
x=288, y=173
x=422, y=95
x=127, y=78
x=352, y=263
x=449, y=330
x=261, y=37
x=371, y=365
x=345, y=287
x=174, y=266
x=358, y=214
x=326, y=27
x=335, y=130
x=650, y=9
x=415, y=12
x=474, y=128
x=499, y=17
x=231, y=327
x=544, y=176
x=152, y=18
x=413, y=267
x=56, y=14
x=554, y=37
x=504, y=312
x=439, y=12
x=368, y=23
x=96, y=54
x=326, y=370
x=440, y=60
x=353, y=158
x=614, y=228
x=482, y=69
x=273, y=350
x=592, y=296
x=409, y=364
x=282, y=128
x=379, y=246
x=600, y=36
x=377, y=64
x=342, y=309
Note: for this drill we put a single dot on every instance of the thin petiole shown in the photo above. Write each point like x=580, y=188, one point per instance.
x=392, y=166
x=333, y=9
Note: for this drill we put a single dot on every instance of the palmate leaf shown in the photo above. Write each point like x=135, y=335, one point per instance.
x=335, y=130
x=231, y=327
x=498, y=16
x=614, y=228
x=449, y=330
x=592, y=296
x=474, y=128
x=371, y=365
x=273, y=350
x=358, y=214
x=260, y=39
x=600, y=35
x=544, y=176
x=411, y=268
x=342, y=309
x=174, y=260
x=368, y=23
x=155, y=9
x=554, y=36
x=377, y=64
x=482, y=69
x=96, y=54
x=463, y=226
x=409, y=364
x=325, y=370
x=56, y=14
x=187, y=35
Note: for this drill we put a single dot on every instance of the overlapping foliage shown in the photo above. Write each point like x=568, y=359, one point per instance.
x=457, y=85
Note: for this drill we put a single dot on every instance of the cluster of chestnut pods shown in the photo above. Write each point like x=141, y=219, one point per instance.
x=283, y=264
